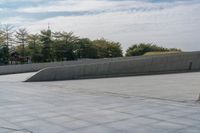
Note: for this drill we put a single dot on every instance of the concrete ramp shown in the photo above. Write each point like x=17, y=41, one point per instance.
x=179, y=62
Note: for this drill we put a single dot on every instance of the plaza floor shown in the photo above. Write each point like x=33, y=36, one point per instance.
x=143, y=104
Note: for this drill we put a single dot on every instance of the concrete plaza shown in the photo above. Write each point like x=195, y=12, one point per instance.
x=143, y=104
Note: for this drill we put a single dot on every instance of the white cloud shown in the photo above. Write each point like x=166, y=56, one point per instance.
x=11, y=1
x=14, y=20
x=91, y=5
x=174, y=24
x=173, y=27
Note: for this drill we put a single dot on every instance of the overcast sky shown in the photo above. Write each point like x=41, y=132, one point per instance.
x=169, y=23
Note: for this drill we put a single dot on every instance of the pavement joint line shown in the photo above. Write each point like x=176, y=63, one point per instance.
x=161, y=99
x=101, y=124
x=12, y=129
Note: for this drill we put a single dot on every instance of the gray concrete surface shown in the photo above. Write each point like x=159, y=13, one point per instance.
x=23, y=68
x=144, y=104
x=181, y=62
x=11, y=69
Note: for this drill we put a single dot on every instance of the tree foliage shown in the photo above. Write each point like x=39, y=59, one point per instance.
x=142, y=48
x=19, y=46
x=4, y=54
x=106, y=49
x=6, y=34
x=21, y=39
x=85, y=49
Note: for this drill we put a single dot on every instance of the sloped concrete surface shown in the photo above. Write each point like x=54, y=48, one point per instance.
x=16, y=77
x=144, y=104
x=142, y=65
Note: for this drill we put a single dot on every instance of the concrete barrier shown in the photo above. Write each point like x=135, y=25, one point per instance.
x=12, y=69
x=179, y=62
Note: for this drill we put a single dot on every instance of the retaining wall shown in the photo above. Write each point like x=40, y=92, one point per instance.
x=11, y=69
x=181, y=62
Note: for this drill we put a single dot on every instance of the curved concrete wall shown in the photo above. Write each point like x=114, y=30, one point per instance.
x=182, y=62
x=11, y=69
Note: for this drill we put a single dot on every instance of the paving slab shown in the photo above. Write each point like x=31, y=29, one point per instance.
x=143, y=104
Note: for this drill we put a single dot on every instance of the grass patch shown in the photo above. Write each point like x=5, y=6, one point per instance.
x=161, y=53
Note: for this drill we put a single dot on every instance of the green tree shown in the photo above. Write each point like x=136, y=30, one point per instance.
x=8, y=34
x=2, y=37
x=4, y=55
x=34, y=48
x=64, y=46
x=86, y=49
x=142, y=48
x=6, y=40
x=106, y=49
x=21, y=39
x=46, y=40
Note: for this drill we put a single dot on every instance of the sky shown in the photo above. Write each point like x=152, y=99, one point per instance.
x=168, y=23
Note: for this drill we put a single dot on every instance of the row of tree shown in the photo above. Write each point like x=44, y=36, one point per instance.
x=47, y=46
x=19, y=46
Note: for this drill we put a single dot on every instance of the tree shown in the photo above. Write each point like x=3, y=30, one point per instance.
x=6, y=40
x=46, y=40
x=142, y=48
x=34, y=48
x=85, y=49
x=33, y=41
x=8, y=34
x=106, y=49
x=2, y=37
x=4, y=55
x=64, y=46
x=21, y=38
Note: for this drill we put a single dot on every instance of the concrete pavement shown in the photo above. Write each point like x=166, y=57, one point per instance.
x=144, y=104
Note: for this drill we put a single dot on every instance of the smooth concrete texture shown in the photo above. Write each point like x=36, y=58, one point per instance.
x=180, y=62
x=13, y=69
x=143, y=104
